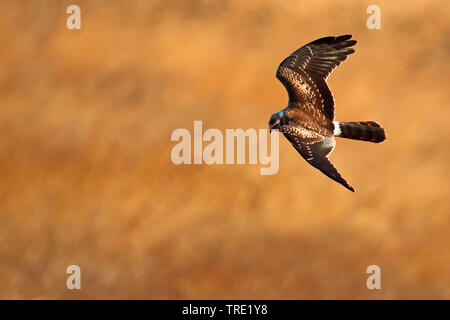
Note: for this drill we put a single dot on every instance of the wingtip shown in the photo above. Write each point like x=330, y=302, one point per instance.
x=336, y=40
x=347, y=186
x=344, y=37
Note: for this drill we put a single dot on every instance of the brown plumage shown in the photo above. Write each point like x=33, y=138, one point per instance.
x=308, y=120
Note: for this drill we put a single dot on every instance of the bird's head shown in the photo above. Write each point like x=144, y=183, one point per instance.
x=275, y=121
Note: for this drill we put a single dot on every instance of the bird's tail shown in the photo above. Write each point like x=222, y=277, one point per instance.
x=363, y=130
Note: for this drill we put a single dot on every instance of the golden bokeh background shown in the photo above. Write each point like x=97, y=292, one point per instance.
x=86, y=176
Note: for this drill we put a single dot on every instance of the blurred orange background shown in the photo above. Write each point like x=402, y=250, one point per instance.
x=86, y=176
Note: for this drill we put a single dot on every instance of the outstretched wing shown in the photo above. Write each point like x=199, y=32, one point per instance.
x=315, y=149
x=304, y=72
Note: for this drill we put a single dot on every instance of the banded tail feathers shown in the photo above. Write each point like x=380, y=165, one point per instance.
x=362, y=130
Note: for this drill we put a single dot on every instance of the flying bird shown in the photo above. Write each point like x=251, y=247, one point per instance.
x=308, y=120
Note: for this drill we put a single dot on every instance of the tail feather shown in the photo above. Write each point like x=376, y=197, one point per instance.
x=362, y=130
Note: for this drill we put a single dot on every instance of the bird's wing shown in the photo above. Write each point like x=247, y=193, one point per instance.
x=315, y=149
x=304, y=72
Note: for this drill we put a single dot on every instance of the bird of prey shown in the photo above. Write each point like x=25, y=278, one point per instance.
x=308, y=120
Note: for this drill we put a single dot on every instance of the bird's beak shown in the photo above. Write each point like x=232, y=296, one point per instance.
x=275, y=126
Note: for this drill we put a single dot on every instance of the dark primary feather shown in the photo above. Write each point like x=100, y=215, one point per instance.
x=323, y=164
x=305, y=71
